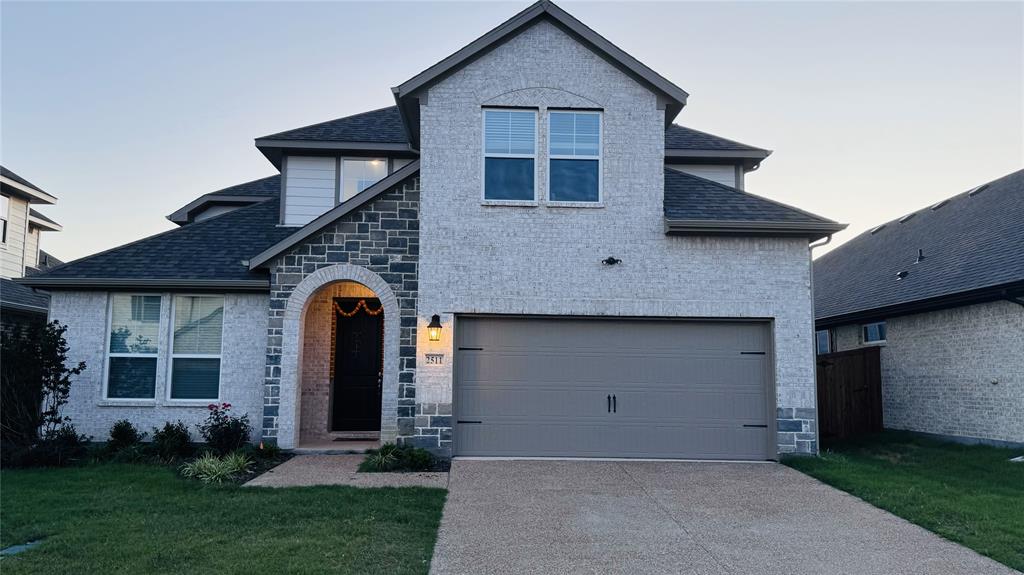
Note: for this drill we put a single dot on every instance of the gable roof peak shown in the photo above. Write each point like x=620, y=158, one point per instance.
x=407, y=94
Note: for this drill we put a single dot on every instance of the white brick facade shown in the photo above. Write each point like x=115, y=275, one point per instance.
x=957, y=372
x=242, y=364
x=547, y=260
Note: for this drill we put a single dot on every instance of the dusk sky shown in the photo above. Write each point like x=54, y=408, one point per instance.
x=127, y=111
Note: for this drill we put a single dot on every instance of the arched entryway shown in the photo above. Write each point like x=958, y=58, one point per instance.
x=332, y=323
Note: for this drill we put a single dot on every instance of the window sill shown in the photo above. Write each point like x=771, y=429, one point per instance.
x=511, y=203
x=127, y=403
x=552, y=204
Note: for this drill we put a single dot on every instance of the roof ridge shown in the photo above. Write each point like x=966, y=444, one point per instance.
x=191, y=227
x=746, y=193
x=315, y=124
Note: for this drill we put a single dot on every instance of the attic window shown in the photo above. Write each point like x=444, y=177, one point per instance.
x=939, y=205
x=977, y=190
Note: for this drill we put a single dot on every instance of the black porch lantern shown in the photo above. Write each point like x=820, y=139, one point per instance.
x=434, y=328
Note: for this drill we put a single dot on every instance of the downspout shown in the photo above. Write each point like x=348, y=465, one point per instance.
x=814, y=346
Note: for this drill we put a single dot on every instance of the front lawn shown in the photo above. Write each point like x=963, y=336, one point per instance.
x=110, y=518
x=968, y=494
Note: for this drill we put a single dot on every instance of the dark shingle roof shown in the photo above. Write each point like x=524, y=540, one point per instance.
x=384, y=126
x=689, y=197
x=9, y=174
x=970, y=242
x=17, y=296
x=217, y=249
x=35, y=214
x=269, y=186
x=683, y=138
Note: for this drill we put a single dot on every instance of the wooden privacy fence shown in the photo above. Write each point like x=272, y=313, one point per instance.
x=849, y=393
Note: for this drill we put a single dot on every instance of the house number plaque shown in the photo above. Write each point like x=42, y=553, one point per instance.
x=435, y=359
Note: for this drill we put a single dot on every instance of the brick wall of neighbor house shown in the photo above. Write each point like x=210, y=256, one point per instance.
x=957, y=372
x=382, y=237
x=545, y=260
x=85, y=314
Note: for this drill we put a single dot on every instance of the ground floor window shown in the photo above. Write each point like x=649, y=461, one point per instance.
x=196, y=347
x=134, y=327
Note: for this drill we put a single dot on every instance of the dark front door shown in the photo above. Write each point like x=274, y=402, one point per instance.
x=358, y=363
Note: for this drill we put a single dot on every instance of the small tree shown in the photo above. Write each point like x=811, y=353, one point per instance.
x=34, y=382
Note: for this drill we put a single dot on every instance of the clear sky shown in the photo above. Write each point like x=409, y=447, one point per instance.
x=127, y=111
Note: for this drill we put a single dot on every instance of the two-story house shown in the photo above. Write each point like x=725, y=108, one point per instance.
x=524, y=256
x=20, y=229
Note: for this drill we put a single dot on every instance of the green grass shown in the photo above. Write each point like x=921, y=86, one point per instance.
x=110, y=518
x=968, y=494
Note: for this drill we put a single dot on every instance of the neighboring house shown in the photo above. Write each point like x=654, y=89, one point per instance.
x=525, y=256
x=941, y=290
x=20, y=230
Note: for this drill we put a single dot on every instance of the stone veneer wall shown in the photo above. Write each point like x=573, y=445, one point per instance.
x=956, y=372
x=241, y=371
x=537, y=258
x=318, y=360
x=383, y=238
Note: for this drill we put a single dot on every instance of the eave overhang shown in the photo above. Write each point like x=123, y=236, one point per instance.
x=749, y=159
x=114, y=284
x=1010, y=291
x=33, y=195
x=44, y=224
x=275, y=149
x=671, y=97
x=184, y=214
x=810, y=230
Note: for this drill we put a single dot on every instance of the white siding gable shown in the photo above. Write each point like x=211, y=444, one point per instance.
x=310, y=188
x=721, y=174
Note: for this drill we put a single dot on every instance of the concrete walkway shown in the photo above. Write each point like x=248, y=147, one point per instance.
x=305, y=470
x=675, y=517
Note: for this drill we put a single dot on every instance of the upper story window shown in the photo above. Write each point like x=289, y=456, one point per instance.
x=823, y=341
x=873, y=332
x=357, y=175
x=196, y=347
x=574, y=153
x=510, y=153
x=5, y=209
x=132, y=346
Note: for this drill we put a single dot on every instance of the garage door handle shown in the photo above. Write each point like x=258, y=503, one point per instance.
x=615, y=404
x=609, y=403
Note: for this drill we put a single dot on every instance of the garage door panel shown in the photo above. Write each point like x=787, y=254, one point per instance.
x=539, y=387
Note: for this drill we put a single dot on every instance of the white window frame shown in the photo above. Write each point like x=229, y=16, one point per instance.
x=600, y=161
x=108, y=354
x=171, y=355
x=864, y=329
x=339, y=186
x=484, y=155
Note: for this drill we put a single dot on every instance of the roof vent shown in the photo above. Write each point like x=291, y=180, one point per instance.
x=877, y=229
x=920, y=256
x=901, y=275
x=977, y=190
x=940, y=204
x=907, y=217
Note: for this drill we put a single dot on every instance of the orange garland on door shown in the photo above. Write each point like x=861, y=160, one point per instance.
x=360, y=305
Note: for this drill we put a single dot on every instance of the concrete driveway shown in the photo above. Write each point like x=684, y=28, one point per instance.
x=675, y=517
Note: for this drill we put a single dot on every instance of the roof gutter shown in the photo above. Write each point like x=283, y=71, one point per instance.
x=811, y=230
x=144, y=283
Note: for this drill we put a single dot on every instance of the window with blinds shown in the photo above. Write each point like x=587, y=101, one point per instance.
x=574, y=154
x=196, y=347
x=510, y=150
x=132, y=346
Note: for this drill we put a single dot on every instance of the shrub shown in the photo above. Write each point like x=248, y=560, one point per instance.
x=391, y=457
x=210, y=468
x=172, y=441
x=123, y=434
x=59, y=447
x=34, y=385
x=223, y=432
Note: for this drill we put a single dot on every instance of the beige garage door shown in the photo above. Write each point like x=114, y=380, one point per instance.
x=613, y=388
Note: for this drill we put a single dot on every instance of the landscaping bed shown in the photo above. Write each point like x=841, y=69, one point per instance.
x=972, y=495
x=143, y=518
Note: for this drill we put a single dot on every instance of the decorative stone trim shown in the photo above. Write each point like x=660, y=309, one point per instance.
x=376, y=246
x=797, y=430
